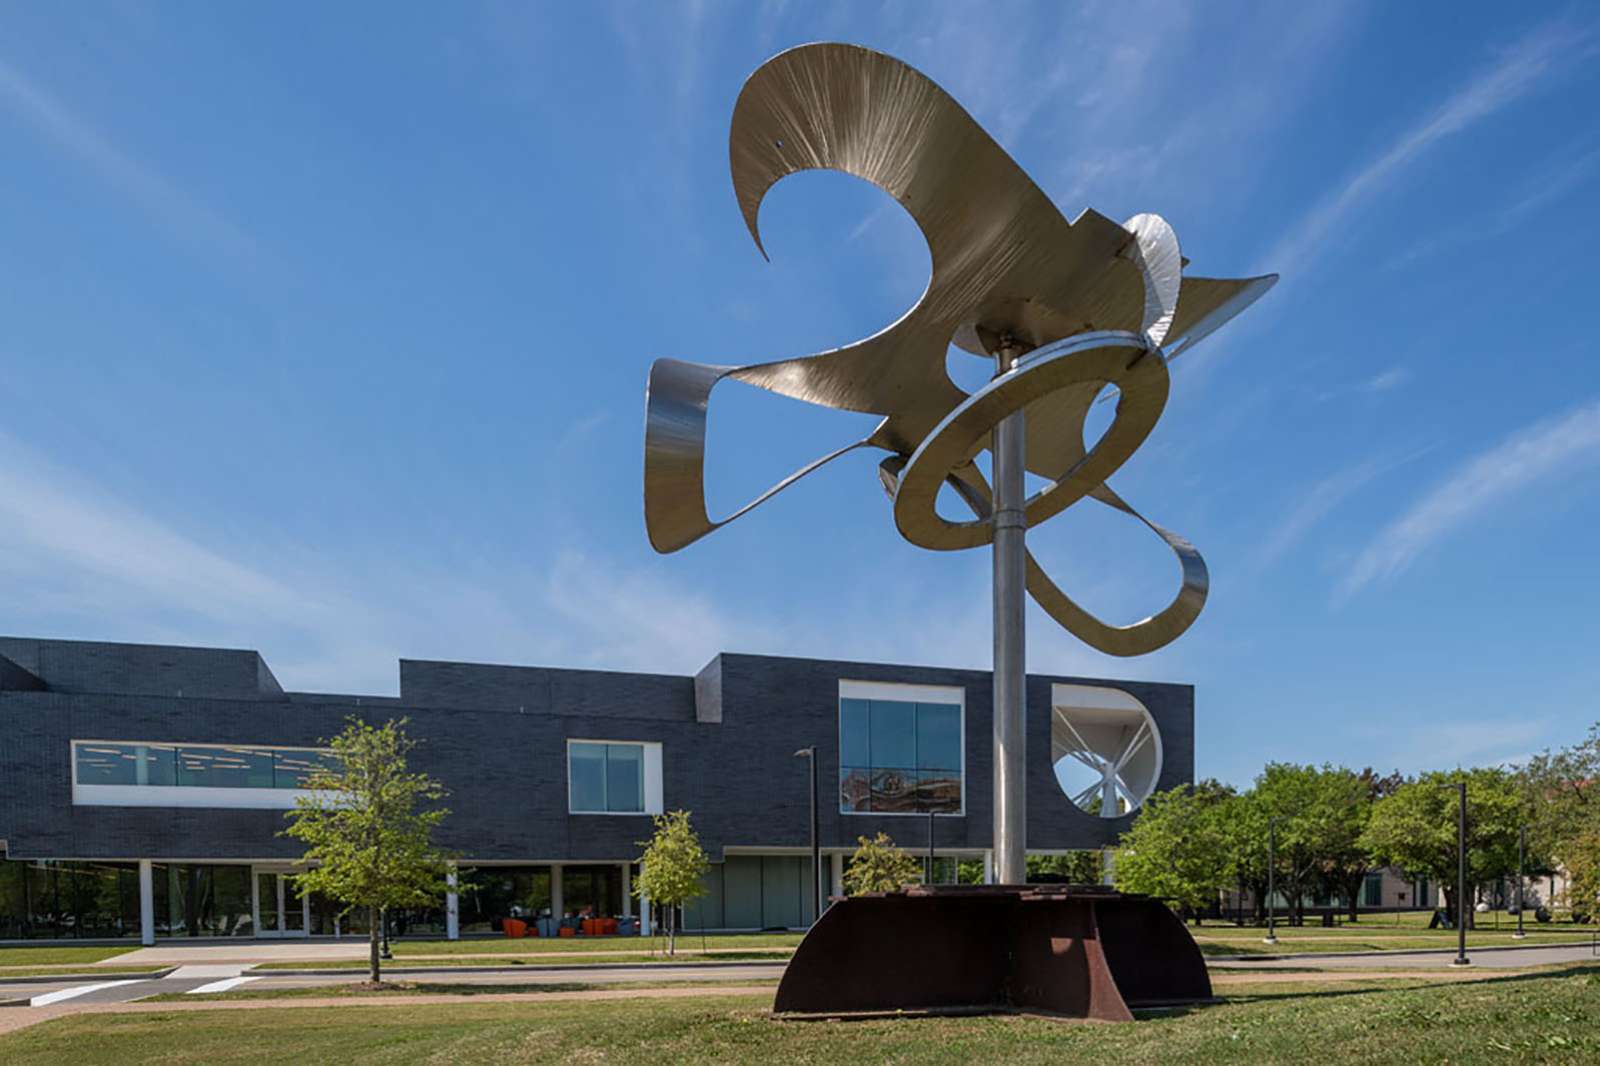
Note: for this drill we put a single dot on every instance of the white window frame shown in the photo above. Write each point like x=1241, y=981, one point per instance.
x=652, y=793
x=264, y=799
x=903, y=693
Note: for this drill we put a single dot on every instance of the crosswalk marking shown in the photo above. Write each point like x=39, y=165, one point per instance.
x=221, y=986
x=73, y=993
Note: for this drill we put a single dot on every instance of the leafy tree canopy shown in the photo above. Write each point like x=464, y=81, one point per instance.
x=367, y=822
x=879, y=866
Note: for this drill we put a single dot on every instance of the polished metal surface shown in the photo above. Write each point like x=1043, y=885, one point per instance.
x=1010, y=526
x=1094, y=303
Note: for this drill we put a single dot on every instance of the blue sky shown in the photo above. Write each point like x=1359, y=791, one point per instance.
x=325, y=332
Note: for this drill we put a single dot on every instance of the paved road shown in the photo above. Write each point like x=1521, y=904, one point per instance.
x=1487, y=958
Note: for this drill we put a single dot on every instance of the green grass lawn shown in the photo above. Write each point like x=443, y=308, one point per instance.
x=547, y=959
x=415, y=988
x=590, y=945
x=1545, y=1017
x=58, y=954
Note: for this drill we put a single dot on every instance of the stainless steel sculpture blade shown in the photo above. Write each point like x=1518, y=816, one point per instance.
x=1091, y=303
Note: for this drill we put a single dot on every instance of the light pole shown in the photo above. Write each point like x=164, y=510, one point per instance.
x=1272, y=879
x=383, y=916
x=1461, y=876
x=1522, y=860
x=810, y=754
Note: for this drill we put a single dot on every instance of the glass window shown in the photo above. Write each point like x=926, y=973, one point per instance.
x=939, y=736
x=225, y=767
x=854, y=745
x=292, y=769
x=894, y=734
x=202, y=900
x=49, y=899
x=899, y=757
x=605, y=778
x=125, y=764
x=586, y=774
x=195, y=765
x=624, y=777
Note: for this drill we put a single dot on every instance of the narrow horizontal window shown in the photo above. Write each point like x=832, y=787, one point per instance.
x=125, y=763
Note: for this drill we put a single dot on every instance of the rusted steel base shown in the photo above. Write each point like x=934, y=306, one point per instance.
x=1068, y=950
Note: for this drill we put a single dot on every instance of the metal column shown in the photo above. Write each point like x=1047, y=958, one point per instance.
x=1010, y=645
x=452, y=906
x=147, y=902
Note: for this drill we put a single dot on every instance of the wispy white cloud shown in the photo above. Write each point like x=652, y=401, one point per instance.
x=1535, y=453
x=1392, y=378
x=1314, y=505
x=1552, y=182
x=1517, y=72
x=181, y=213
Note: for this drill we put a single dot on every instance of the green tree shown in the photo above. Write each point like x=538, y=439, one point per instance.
x=672, y=869
x=1175, y=849
x=367, y=842
x=1414, y=828
x=1560, y=794
x=1074, y=867
x=879, y=866
x=1242, y=834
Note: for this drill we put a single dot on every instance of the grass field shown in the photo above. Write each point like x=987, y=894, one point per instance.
x=589, y=945
x=1546, y=1017
x=58, y=955
x=416, y=988
x=547, y=959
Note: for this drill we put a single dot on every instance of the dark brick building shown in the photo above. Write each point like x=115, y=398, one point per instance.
x=142, y=787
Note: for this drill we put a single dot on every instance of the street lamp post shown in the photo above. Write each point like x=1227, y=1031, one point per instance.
x=1272, y=879
x=1461, y=876
x=383, y=917
x=810, y=754
x=931, y=813
x=1522, y=860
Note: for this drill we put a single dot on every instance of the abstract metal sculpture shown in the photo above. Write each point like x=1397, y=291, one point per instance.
x=1064, y=310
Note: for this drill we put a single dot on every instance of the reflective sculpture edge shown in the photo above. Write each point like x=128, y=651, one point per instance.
x=1092, y=302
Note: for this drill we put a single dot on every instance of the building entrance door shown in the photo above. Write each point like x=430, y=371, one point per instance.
x=278, y=911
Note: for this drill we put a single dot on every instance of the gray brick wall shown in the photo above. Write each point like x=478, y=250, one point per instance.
x=496, y=736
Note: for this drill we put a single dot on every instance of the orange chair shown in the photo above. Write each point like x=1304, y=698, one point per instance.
x=567, y=930
x=609, y=927
x=514, y=927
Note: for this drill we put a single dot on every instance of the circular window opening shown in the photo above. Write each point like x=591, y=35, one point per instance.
x=1105, y=748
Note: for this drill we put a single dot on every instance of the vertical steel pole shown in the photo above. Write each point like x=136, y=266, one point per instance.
x=1522, y=861
x=816, y=846
x=930, y=845
x=1462, y=903
x=1010, y=648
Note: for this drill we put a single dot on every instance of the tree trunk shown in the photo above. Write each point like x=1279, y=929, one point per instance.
x=373, y=973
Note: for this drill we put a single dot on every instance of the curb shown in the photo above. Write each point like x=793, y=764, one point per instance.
x=134, y=975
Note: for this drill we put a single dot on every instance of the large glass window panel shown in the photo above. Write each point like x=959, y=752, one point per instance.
x=624, y=777
x=224, y=767
x=198, y=900
x=854, y=735
x=938, y=736
x=48, y=900
x=586, y=775
x=894, y=735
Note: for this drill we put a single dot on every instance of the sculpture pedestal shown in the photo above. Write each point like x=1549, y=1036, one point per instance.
x=1066, y=950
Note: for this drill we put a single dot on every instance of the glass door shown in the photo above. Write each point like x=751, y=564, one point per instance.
x=278, y=910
